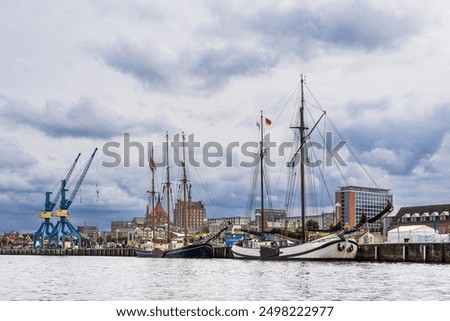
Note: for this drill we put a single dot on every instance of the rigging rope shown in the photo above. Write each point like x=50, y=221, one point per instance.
x=342, y=138
x=252, y=192
x=205, y=188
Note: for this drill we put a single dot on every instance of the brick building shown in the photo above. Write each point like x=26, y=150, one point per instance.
x=158, y=216
x=193, y=214
x=435, y=216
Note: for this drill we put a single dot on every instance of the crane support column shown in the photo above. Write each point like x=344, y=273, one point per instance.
x=63, y=229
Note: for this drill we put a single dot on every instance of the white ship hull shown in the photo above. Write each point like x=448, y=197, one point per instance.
x=332, y=247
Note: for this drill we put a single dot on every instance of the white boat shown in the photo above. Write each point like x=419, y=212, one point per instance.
x=336, y=246
x=330, y=247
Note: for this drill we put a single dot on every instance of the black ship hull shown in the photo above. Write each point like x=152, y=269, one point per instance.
x=198, y=251
x=144, y=253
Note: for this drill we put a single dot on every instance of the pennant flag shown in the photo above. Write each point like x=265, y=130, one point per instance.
x=268, y=122
x=257, y=125
x=152, y=164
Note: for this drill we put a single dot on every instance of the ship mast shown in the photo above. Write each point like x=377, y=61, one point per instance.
x=153, y=194
x=261, y=157
x=184, y=183
x=302, y=129
x=168, y=188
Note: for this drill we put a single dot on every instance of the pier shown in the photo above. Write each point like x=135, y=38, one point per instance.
x=405, y=252
x=71, y=252
x=219, y=252
x=383, y=252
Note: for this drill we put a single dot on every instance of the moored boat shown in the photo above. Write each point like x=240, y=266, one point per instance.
x=202, y=250
x=335, y=246
x=144, y=253
x=331, y=247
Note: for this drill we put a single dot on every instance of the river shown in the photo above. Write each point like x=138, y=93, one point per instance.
x=74, y=278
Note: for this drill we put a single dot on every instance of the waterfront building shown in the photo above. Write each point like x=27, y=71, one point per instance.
x=159, y=216
x=352, y=202
x=195, y=215
x=139, y=222
x=118, y=225
x=90, y=233
x=15, y=239
x=216, y=224
x=324, y=221
x=273, y=218
x=434, y=216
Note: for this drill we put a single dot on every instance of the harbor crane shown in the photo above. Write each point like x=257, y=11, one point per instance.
x=64, y=228
x=43, y=233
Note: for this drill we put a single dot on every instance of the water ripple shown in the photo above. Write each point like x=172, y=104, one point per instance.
x=31, y=278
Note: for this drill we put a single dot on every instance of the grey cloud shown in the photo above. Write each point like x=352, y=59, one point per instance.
x=85, y=118
x=192, y=70
x=13, y=157
x=146, y=64
x=359, y=25
x=351, y=25
x=408, y=142
x=238, y=43
x=216, y=66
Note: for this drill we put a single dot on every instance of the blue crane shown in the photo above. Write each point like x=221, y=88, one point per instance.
x=42, y=235
x=64, y=228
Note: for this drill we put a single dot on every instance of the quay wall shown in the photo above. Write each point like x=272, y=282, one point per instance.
x=219, y=252
x=223, y=252
x=405, y=252
x=71, y=252
x=383, y=252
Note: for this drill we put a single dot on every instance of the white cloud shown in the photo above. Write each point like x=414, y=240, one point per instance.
x=75, y=75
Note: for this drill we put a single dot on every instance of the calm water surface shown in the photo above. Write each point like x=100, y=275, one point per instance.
x=29, y=278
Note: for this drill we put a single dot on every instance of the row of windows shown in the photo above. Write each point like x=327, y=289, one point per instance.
x=426, y=218
x=372, y=198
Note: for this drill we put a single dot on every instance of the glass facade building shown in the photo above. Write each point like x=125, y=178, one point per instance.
x=355, y=201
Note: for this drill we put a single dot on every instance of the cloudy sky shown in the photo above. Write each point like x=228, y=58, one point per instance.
x=79, y=75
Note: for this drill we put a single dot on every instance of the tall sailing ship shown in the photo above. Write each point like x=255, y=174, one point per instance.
x=151, y=249
x=198, y=249
x=335, y=246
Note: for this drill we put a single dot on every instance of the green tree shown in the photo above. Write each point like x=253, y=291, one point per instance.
x=312, y=225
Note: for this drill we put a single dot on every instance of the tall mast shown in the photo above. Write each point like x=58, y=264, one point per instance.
x=153, y=195
x=168, y=188
x=185, y=202
x=261, y=164
x=302, y=161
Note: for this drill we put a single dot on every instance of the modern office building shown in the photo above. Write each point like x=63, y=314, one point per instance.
x=352, y=202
